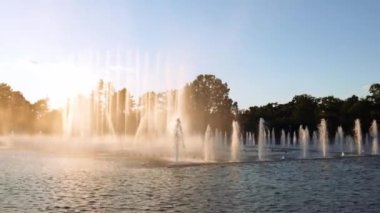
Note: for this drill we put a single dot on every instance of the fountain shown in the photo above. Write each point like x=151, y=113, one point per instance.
x=314, y=138
x=294, y=138
x=225, y=139
x=304, y=140
x=358, y=136
x=283, y=138
x=374, y=135
x=339, y=138
x=246, y=141
x=178, y=133
x=272, y=137
x=261, y=139
x=105, y=116
x=208, y=142
x=350, y=143
x=253, y=139
x=265, y=135
x=235, y=142
x=288, y=138
x=323, y=137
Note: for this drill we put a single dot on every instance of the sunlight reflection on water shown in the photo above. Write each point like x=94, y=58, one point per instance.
x=32, y=181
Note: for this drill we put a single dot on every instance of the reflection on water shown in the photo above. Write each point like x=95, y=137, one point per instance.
x=32, y=181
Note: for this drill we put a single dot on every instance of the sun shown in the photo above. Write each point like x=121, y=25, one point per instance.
x=61, y=81
x=70, y=81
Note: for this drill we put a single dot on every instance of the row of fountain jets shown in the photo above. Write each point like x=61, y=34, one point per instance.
x=317, y=142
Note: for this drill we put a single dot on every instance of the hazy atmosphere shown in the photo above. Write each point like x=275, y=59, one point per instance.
x=189, y=106
x=267, y=51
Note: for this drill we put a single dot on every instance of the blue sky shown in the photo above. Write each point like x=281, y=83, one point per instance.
x=267, y=51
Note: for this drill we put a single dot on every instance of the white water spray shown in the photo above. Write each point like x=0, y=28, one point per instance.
x=358, y=136
x=235, y=143
x=374, y=135
x=323, y=137
x=261, y=138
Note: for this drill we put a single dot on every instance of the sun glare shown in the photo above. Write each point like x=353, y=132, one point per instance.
x=65, y=80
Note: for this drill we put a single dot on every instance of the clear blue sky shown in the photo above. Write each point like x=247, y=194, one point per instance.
x=266, y=50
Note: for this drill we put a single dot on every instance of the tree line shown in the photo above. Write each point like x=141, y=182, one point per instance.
x=308, y=111
x=205, y=101
x=18, y=115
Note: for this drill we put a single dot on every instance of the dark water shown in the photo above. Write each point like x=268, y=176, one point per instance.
x=35, y=182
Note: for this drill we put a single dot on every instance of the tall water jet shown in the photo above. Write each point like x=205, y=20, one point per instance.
x=246, y=141
x=314, y=138
x=358, y=136
x=273, y=138
x=253, y=139
x=225, y=139
x=288, y=138
x=217, y=137
x=339, y=138
x=294, y=138
x=374, y=135
x=178, y=133
x=283, y=138
x=350, y=143
x=235, y=143
x=307, y=135
x=323, y=137
x=207, y=144
x=250, y=141
x=261, y=139
x=304, y=140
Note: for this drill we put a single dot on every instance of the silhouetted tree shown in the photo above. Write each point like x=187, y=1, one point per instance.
x=208, y=103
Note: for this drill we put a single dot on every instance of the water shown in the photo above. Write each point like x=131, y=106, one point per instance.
x=350, y=143
x=178, y=133
x=294, y=138
x=304, y=140
x=208, y=145
x=235, y=143
x=358, y=136
x=374, y=134
x=288, y=139
x=272, y=137
x=253, y=139
x=314, y=138
x=339, y=138
x=283, y=138
x=261, y=139
x=323, y=137
x=35, y=182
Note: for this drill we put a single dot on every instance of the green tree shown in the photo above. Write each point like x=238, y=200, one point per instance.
x=208, y=103
x=330, y=109
x=305, y=109
x=374, y=90
x=374, y=99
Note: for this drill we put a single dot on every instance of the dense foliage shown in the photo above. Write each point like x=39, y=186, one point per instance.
x=17, y=115
x=308, y=111
x=206, y=102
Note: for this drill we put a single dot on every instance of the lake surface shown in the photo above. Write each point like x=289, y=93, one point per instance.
x=34, y=182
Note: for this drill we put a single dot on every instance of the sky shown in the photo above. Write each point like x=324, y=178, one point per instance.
x=266, y=50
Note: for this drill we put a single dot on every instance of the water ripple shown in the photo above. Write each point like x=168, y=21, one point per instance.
x=32, y=182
